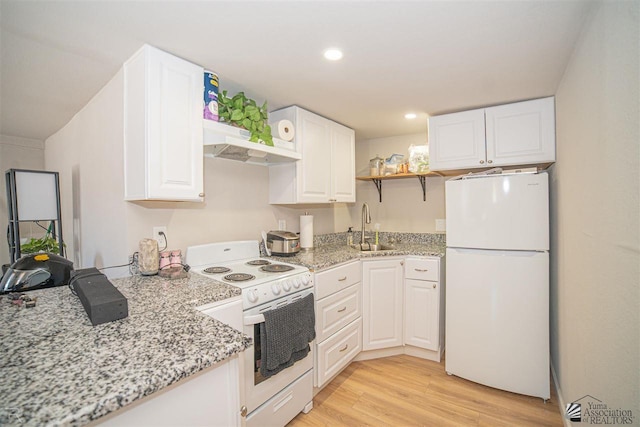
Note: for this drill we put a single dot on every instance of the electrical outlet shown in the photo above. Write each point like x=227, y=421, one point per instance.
x=160, y=238
x=282, y=224
x=441, y=225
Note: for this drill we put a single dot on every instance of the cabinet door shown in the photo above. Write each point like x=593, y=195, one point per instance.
x=343, y=164
x=163, y=127
x=382, y=304
x=175, y=156
x=457, y=140
x=521, y=133
x=314, y=169
x=421, y=328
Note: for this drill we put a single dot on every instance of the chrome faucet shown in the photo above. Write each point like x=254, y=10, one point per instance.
x=366, y=219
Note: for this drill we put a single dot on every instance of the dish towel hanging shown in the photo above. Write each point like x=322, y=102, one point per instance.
x=286, y=333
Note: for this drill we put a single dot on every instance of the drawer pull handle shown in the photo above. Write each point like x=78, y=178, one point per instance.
x=421, y=270
x=346, y=346
x=434, y=286
x=342, y=309
x=343, y=279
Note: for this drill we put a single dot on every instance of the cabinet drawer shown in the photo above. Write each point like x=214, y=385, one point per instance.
x=422, y=269
x=335, y=353
x=337, y=310
x=335, y=279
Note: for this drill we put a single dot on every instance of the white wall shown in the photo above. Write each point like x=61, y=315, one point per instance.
x=595, y=210
x=88, y=153
x=402, y=208
x=15, y=153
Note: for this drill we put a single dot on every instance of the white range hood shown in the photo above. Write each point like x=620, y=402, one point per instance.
x=228, y=142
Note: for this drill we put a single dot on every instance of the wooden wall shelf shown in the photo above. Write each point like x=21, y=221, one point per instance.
x=377, y=180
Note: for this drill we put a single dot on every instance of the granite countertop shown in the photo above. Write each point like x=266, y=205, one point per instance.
x=326, y=254
x=58, y=369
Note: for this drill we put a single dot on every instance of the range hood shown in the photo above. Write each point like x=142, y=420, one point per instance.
x=228, y=142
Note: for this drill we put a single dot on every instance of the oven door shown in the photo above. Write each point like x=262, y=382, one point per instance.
x=258, y=389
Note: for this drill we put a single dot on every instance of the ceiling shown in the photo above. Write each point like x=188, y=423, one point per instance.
x=427, y=57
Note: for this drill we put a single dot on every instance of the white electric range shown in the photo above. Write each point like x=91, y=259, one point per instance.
x=239, y=264
x=266, y=284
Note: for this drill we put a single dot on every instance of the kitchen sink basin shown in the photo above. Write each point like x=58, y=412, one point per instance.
x=372, y=247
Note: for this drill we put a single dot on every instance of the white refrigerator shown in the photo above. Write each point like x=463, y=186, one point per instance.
x=497, y=270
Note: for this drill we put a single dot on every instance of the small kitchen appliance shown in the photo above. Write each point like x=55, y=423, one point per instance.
x=266, y=285
x=283, y=243
x=35, y=271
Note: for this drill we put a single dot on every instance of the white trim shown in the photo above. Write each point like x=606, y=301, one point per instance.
x=561, y=401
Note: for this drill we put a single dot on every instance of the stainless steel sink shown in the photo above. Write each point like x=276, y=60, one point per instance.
x=372, y=247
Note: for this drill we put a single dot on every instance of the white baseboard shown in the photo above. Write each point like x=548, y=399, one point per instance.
x=561, y=401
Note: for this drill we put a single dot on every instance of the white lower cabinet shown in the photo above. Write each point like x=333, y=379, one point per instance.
x=403, y=307
x=382, y=303
x=377, y=308
x=424, y=304
x=210, y=398
x=421, y=314
x=338, y=312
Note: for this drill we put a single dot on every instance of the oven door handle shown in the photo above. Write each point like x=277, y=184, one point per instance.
x=253, y=320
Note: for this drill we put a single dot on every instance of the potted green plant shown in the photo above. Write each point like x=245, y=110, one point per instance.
x=43, y=244
x=244, y=112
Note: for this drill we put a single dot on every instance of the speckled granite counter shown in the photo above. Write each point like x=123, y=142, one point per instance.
x=333, y=250
x=58, y=369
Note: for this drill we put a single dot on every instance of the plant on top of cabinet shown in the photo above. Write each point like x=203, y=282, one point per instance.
x=244, y=112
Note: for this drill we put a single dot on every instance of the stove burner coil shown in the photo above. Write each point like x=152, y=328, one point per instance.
x=259, y=262
x=239, y=277
x=276, y=268
x=216, y=270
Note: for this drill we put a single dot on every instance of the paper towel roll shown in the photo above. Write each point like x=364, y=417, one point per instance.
x=306, y=231
x=283, y=129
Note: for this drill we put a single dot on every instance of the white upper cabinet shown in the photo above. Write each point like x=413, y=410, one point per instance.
x=522, y=133
x=326, y=172
x=163, y=127
x=343, y=160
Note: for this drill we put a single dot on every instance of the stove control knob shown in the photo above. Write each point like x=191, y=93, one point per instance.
x=305, y=280
x=296, y=283
x=286, y=286
x=275, y=289
x=252, y=296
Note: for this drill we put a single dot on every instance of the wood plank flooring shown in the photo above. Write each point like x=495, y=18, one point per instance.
x=408, y=391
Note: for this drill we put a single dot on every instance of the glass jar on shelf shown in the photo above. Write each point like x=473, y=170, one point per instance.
x=376, y=166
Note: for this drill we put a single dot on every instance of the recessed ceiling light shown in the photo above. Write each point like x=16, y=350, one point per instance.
x=410, y=116
x=333, y=54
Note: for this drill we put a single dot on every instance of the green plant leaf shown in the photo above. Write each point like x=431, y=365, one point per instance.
x=255, y=116
x=236, y=115
x=246, y=123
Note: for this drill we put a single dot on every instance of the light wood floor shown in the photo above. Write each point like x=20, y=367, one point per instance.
x=407, y=391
